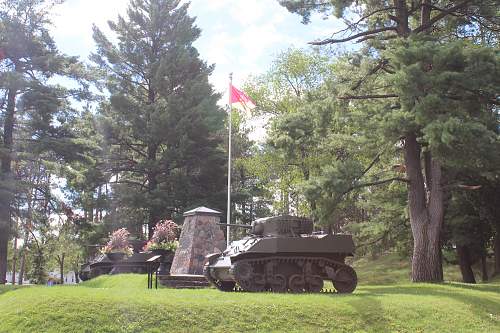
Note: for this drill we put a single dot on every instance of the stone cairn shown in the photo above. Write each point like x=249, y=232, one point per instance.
x=200, y=236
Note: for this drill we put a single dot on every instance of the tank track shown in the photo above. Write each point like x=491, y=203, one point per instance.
x=221, y=285
x=288, y=274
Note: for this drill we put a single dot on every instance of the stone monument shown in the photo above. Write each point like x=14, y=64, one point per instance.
x=200, y=236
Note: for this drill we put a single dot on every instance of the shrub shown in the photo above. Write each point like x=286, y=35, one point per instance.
x=164, y=237
x=118, y=243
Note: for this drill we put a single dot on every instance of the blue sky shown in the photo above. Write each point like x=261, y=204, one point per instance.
x=239, y=36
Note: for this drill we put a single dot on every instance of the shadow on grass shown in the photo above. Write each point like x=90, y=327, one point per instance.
x=479, y=287
x=370, y=312
x=479, y=305
x=6, y=289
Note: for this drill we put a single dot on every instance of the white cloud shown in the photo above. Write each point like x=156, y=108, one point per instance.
x=239, y=36
x=73, y=22
x=245, y=36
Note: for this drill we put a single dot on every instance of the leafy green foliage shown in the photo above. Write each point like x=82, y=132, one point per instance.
x=161, y=124
x=307, y=7
x=446, y=92
x=36, y=115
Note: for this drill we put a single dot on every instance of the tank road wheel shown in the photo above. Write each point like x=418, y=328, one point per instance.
x=243, y=271
x=315, y=284
x=246, y=285
x=296, y=283
x=278, y=283
x=345, y=280
x=225, y=285
x=254, y=284
x=259, y=282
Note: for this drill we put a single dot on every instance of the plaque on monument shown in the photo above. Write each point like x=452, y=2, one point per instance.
x=200, y=236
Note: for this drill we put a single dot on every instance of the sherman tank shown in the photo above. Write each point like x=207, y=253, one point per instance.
x=282, y=254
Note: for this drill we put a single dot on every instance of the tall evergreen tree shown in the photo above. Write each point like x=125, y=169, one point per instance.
x=29, y=58
x=161, y=123
x=417, y=91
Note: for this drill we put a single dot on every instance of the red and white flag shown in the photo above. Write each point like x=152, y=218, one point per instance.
x=240, y=101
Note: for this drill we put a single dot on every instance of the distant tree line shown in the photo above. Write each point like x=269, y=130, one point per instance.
x=140, y=138
x=394, y=139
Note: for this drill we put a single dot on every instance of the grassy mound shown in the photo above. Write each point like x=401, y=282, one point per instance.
x=391, y=268
x=123, y=304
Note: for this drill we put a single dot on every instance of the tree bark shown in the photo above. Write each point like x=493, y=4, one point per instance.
x=425, y=13
x=465, y=264
x=496, y=246
x=14, y=261
x=22, y=263
x=403, y=28
x=484, y=267
x=61, y=267
x=75, y=269
x=426, y=213
x=6, y=180
x=152, y=186
x=27, y=228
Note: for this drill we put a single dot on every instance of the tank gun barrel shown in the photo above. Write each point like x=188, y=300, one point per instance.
x=246, y=226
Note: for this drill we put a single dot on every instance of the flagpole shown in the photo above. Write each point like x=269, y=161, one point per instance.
x=228, y=218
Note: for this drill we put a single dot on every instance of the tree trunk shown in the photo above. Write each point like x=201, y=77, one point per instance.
x=425, y=13
x=27, y=228
x=22, y=261
x=6, y=180
x=426, y=213
x=402, y=15
x=75, y=269
x=484, y=267
x=98, y=208
x=152, y=186
x=61, y=268
x=496, y=246
x=14, y=261
x=465, y=264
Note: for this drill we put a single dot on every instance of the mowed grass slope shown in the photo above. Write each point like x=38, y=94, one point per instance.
x=123, y=304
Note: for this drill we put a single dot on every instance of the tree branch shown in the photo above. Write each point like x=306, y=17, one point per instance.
x=380, y=182
x=368, y=96
x=387, y=37
x=444, y=13
x=361, y=34
x=384, y=235
x=374, y=70
x=375, y=161
x=355, y=24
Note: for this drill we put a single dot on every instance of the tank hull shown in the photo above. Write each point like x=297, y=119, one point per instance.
x=284, y=264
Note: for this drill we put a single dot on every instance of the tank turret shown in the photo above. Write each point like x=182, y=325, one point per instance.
x=282, y=254
x=284, y=226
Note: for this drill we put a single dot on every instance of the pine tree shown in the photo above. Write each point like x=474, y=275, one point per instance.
x=29, y=58
x=161, y=123
x=408, y=97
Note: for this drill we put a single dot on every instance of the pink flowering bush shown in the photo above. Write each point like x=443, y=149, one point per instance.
x=118, y=243
x=164, y=237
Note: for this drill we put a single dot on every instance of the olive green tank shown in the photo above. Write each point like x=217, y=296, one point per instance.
x=282, y=254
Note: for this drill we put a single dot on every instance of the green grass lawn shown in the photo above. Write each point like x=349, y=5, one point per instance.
x=390, y=269
x=123, y=304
